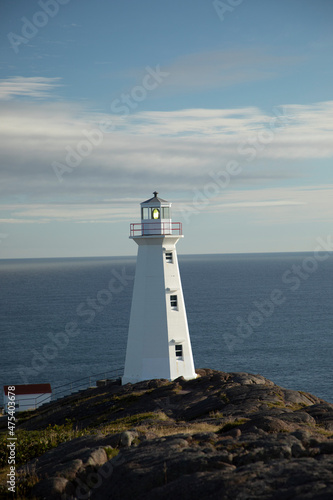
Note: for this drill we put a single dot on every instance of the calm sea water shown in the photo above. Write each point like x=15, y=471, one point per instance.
x=289, y=342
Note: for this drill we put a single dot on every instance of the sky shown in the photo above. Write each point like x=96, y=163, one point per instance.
x=223, y=107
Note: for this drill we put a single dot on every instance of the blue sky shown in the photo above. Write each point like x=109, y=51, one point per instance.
x=225, y=108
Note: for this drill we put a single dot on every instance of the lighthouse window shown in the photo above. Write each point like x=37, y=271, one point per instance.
x=173, y=300
x=145, y=213
x=165, y=212
x=179, y=351
x=168, y=257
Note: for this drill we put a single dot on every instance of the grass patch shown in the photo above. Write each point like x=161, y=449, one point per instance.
x=232, y=425
x=125, y=423
x=159, y=423
x=32, y=444
x=128, y=398
x=181, y=428
x=321, y=430
x=224, y=397
x=119, y=403
x=297, y=406
x=216, y=414
x=324, y=432
x=24, y=484
x=276, y=404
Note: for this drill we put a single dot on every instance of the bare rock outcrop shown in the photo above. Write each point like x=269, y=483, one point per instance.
x=223, y=436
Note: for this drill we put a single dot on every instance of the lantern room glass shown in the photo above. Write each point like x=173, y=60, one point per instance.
x=148, y=213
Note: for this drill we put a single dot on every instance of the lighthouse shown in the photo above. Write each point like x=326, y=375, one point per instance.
x=158, y=344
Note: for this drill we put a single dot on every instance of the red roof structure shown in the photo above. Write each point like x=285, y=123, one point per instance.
x=29, y=389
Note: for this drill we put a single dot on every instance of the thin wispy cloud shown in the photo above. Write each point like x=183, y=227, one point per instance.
x=32, y=87
x=108, y=212
x=183, y=144
x=222, y=68
x=173, y=150
x=278, y=201
x=217, y=69
x=272, y=205
x=260, y=204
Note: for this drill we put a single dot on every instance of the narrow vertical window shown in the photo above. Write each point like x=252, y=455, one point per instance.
x=165, y=213
x=145, y=213
x=174, y=301
x=168, y=257
x=179, y=350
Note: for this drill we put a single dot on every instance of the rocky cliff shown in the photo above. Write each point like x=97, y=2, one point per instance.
x=232, y=436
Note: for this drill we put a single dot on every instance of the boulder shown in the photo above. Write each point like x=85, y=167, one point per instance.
x=52, y=488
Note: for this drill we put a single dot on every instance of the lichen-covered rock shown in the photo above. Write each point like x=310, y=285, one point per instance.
x=127, y=438
x=52, y=488
x=68, y=469
x=97, y=457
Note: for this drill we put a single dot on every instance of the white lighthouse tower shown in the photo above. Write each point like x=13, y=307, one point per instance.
x=158, y=344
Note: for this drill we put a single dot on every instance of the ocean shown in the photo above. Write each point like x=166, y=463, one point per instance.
x=65, y=321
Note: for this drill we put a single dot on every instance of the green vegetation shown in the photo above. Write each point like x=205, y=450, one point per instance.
x=32, y=444
x=216, y=414
x=129, y=398
x=111, y=452
x=224, y=397
x=24, y=485
x=120, y=403
x=232, y=425
x=320, y=429
x=276, y=404
x=125, y=423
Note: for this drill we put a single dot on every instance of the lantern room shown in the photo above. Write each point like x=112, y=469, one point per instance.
x=155, y=219
x=156, y=216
